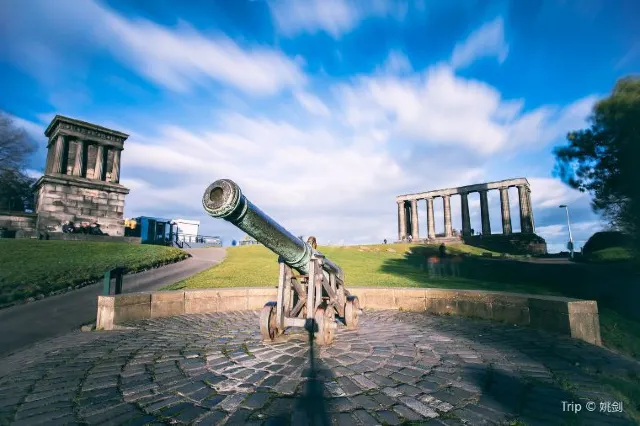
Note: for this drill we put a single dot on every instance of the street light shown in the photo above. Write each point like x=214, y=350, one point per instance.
x=570, y=245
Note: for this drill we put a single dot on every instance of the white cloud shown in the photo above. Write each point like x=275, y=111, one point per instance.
x=549, y=123
x=32, y=129
x=312, y=103
x=430, y=106
x=551, y=231
x=335, y=17
x=550, y=193
x=179, y=58
x=486, y=41
x=34, y=174
x=397, y=63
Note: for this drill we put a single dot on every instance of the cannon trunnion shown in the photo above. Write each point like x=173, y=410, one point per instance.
x=311, y=290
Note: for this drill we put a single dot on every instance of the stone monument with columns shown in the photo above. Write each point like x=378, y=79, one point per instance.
x=408, y=214
x=81, y=181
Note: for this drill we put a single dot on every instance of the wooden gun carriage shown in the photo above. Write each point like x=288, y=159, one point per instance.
x=311, y=287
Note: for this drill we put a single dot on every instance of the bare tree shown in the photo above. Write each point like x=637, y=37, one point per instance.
x=15, y=149
x=15, y=145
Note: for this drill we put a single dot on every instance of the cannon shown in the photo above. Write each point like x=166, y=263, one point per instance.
x=311, y=287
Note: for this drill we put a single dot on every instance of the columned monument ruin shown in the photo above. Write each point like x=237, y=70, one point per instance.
x=81, y=181
x=408, y=211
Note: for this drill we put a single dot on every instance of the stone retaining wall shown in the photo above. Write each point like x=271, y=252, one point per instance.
x=573, y=317
x=18, y=221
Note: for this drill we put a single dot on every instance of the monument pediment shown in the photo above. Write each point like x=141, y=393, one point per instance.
x=83, y=130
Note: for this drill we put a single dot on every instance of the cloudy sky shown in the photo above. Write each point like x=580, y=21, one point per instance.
x=323, y=110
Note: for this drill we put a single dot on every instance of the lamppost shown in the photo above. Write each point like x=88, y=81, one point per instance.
x=570, y=245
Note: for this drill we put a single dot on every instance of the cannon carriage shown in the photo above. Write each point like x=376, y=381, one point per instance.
x=311, y=288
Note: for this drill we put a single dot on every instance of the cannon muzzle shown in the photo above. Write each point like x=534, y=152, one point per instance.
x=224, y=199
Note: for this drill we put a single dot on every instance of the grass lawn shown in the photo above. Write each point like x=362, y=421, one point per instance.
x=612, y=254
x=256, y=266
x=32, y=267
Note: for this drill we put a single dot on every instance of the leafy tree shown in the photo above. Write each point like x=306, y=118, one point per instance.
x=604, y=159
x=15, y=149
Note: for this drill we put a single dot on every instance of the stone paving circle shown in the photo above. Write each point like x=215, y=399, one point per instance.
x=397, y=368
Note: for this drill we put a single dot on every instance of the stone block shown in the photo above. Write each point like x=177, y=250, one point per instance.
x=167, y=303
x=474, y=308
x=585, y=326
x=232, y=299
x=582, y=307
x=103, y=195
x=509, y=313
x=72, y=197
x=105, y=316
x=441, y=306
x=439, y=293
x=200, y=301
x=549, y=303
x=52, y=196
x=130, y=307
x=374, y=298
x=549, y=320
x=410, y=299
x=257, y=297
x=53, y=208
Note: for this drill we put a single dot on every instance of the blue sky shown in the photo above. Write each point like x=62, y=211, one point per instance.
x=323, y=110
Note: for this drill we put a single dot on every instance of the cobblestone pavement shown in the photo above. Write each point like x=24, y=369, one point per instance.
x=399, y=367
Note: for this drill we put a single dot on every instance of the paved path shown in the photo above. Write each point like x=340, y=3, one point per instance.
x=26, y=324
x=398, y=367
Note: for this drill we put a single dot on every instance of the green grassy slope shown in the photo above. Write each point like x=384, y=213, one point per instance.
x=32, y=267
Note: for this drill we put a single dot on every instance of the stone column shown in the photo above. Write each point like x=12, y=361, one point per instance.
x=99, y=168
x=531, y=221
x=78, y=164
x=58, y=155
x=115, y=170
x=50, y=151
x=466, y=219
x=484, y=213
x=431, y=224
x=414, y=219
x=506, y=212
x=525, y=214
x=402, y=219
x=446, y=202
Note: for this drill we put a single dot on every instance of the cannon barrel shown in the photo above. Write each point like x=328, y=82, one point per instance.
x=224, y=199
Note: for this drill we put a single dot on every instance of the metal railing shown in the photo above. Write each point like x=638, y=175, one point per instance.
x=193, y=240
x=115, y=274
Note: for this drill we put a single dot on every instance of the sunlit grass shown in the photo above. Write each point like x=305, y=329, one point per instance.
x=256, y=266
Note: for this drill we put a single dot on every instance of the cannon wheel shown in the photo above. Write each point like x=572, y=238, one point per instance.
x=326, y=320
x=268, y=323
x=351, y=309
